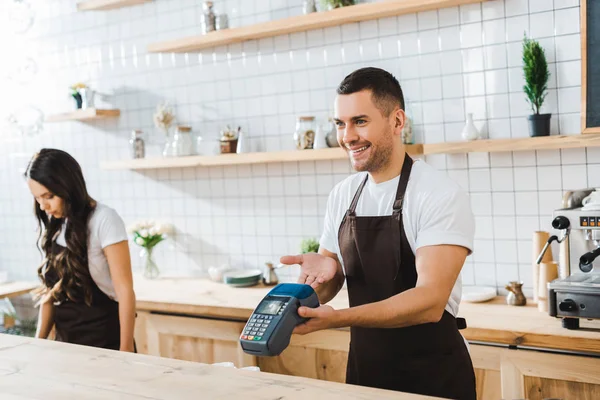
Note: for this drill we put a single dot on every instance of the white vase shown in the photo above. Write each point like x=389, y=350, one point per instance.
x=470, y=132
x=242, y=146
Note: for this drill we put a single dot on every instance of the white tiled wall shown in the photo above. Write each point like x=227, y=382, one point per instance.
x=450, y=62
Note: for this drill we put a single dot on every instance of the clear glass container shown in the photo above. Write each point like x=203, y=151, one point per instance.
x=136, y=142
x=304, y=136
x=183, y=144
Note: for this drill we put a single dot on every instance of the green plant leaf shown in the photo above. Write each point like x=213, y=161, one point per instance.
x=535, y=73
x=310, y=245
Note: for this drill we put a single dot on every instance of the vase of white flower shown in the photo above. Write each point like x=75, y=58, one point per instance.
x=148, y=234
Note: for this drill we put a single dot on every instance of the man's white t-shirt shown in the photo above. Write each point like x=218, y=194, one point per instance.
x=436, y=211
x=105, y=228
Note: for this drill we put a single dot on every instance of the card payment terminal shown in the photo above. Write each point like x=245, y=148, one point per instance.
x=268, y=331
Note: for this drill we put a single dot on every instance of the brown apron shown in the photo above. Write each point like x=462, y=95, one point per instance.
x=75, y=322
x=428, y=359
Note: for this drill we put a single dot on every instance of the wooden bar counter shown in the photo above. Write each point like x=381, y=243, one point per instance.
x=517, y=352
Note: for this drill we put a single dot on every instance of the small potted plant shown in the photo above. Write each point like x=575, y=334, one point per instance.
x=83, y=95
x=310, y=245
x=331, y=4
x=76, y=95
x=148, y=234
x=535, y=70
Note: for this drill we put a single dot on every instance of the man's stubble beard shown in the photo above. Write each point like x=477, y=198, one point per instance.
x=380, y=155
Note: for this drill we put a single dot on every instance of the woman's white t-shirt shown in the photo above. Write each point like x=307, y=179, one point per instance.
x=105, y=228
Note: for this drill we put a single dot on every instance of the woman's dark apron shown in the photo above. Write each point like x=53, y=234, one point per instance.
x=429, y=359
x=75, y=322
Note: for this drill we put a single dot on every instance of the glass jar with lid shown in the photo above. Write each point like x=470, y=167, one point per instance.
x=304, y=136
x=182, y=144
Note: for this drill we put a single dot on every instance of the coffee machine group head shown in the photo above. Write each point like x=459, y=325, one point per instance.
x=575, y=294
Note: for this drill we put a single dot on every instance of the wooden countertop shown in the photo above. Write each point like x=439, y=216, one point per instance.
x=14, y=289
x=493, y=321
x=34, y=368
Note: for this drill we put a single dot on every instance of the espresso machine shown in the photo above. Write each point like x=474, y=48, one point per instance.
x=575, y=294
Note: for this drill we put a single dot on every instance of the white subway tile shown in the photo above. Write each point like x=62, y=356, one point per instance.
x=536, y=6
x=485, y=272
x=434, y=133
x=542, y=24
x=494, y=32
x=569, y=100
x=567, y=21
x=569, y=73
x=448, y=16
x=479, y=180
x=568, y=47
x=476, y=106
x=549, y=201
x=409, y=44
x=451, y=62
x=496, y=81
x=527, y=203
x=433, y=112
x=430, y=65
x=506, y=273
x=388, y=26
x=559, y=4
x=470, y=13
x=526, y=225
x=516, y=7
x=570, y=124
x=454, y=110
x=449, y=38
x=503, y=203
x=481, y=203
x=474, y=84
x=502, y=179
x=516, y=27
x=549, y=178
x=548, y=157
x=368, y=29
x=573, y=156
x=574, y=177
x=525, y=178
x=431, y=88
x=492, y=10
x=471, y=35
x=472, y=60
x=504, y=227
x=427, y=20
x=407, y=23
x=484, y=228
x=593, y=173
x=497, y=106
x=484, y=252
x=495, y=56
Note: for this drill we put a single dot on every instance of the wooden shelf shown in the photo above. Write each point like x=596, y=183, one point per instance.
x=335, y=153
x=317, y=20
x=103, y=5
x=487, y=146
x=83, y=115
x=520, y=144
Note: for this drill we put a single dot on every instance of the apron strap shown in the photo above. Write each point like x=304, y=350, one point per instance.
x=404, y=175
x=357, y=195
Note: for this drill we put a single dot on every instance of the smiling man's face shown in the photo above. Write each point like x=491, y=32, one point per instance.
x=364, y=131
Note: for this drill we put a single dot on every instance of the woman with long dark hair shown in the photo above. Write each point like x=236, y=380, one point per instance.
x=87, y=286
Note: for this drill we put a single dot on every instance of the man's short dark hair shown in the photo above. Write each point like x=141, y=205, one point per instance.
x=385, y=89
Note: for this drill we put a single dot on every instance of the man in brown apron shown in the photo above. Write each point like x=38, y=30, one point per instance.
x=402, y=336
